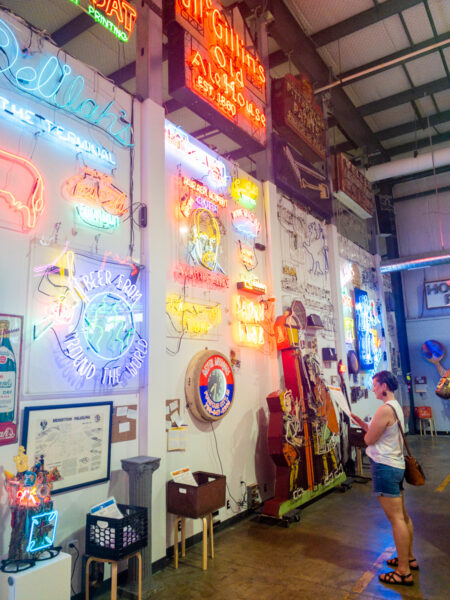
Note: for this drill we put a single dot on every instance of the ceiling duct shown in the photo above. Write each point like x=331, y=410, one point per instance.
x=407, y=166
x=419, y=261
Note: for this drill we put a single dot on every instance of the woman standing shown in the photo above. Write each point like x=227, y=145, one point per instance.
x=385, y=450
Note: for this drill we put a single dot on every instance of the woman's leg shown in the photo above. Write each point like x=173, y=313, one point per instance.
x=412, y=560
x=393, y=508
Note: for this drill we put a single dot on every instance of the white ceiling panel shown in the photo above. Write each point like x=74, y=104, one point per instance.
x=418, y=23
x=425, y=69
x=366, y=45
x=43, y=14
x=443, y=100
x=394, y=116
x=379, y=86
x=422, y=151
x=317, y=15
x=426, y=106
x=408, y=138
x=440, y=11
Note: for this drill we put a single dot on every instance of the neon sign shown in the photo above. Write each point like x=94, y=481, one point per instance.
x=245, y=192
x=43, y=531
x=65, y=136
x=252, y=285
x=178, y=140
x=201, y=196
x=247, y=256
x=125, y=16
x=50, y=80
x=219, y=66
x=193, y=318
x=94, y=187
x=245, y=222
x=95, y=217
x=247, y=330
x=364, y=326
x=34, y=203
x=196, y=276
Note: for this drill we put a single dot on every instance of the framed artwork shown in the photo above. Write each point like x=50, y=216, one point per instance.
x=75, y=438
x=11, y=328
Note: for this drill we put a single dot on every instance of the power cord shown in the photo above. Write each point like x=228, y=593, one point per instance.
x=72, y=545
x=237, y=502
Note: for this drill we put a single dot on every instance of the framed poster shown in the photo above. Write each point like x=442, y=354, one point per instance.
x=11, y=327
x=75, y=438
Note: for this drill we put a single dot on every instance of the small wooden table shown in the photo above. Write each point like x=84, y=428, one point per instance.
x=207, y=524
x=114, y=569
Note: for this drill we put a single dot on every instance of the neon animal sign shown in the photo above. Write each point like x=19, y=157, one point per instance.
x=58, y=133
x=51, y=81
x=32, y=205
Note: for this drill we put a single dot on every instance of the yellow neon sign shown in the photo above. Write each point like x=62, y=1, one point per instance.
x=193, y=318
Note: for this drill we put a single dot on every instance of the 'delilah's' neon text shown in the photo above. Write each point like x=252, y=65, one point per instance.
x=52, y=81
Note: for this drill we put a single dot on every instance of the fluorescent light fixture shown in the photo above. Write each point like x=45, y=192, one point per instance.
x=418, y=261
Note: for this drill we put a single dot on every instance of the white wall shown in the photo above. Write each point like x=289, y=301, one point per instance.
x=420, y=222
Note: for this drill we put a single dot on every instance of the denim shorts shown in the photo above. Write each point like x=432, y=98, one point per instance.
x=386, y=480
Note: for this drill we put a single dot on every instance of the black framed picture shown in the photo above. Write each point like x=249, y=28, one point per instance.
x=75, y=438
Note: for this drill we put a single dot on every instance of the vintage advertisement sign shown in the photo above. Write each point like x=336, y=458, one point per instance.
x=298, y=117
x=10, y=369
x=215, y=71
x=352, y=188
x=298, y=178
x=437, y=293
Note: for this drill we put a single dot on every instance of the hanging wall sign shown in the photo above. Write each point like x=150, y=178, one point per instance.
x=364, y=329
x=197, y=195
x=51, y=81
x=249, y=317
x=209, y=385
x=95, y=315
x=352, y=188
x=214, y=70
x=245, y=222
x=10, y=371
x=298, y=116
x=192, y=318
x=437, y=293
x=298, y=178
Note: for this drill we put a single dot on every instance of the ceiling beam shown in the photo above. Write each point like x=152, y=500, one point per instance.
x=422, y=143
x=291, y=38
x=404, y=97
x=433, y=192
x=72, y=29
x=277, y=58
x=361, y=20
x=412, y=126
x=394, y=56
x=124, y=73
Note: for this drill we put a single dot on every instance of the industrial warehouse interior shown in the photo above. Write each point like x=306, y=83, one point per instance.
x=225, y=299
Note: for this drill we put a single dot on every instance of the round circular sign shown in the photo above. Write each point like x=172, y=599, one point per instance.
x=109, y=325
x=209, y=385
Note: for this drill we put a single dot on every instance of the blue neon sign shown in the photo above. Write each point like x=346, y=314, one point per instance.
x=65, y=136
x=51, y=80
x=364, y=326
x=43, y=531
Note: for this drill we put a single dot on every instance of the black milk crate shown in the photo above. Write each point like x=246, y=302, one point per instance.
x=116, y=538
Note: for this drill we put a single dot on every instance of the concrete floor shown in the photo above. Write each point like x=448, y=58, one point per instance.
x=336, y=551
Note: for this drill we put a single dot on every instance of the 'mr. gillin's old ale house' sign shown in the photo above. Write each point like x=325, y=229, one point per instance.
x=214, y=72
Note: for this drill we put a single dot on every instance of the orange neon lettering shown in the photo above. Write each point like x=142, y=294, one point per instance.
x=220, y=56
x=217, y=24
x=114, y=6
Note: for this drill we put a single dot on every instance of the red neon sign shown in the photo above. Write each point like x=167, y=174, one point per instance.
x=200, y=195
x=34, y=204
x=124, y=13
x=222, y=69
x=197, y=276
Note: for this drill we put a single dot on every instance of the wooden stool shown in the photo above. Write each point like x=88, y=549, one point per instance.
x=424, y=414
x=114, y=565
x=207, y=519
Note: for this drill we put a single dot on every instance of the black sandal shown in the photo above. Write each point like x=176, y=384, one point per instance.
x=393, y=562
x=391, y=580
